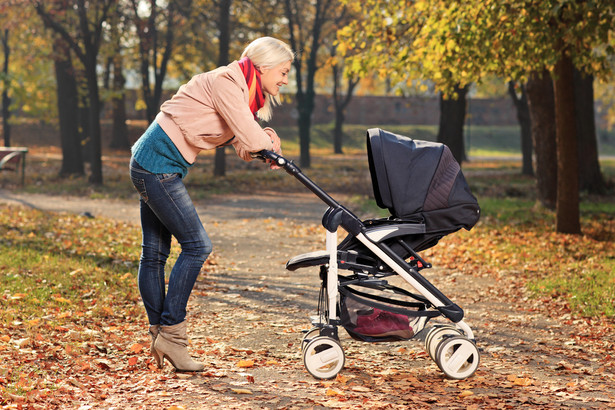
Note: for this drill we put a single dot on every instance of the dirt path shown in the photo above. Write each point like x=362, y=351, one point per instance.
x=247, y=315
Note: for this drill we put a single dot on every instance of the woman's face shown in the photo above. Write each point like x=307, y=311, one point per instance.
x=275, y=77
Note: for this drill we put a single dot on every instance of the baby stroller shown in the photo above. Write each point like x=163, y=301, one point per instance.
x=425, y=191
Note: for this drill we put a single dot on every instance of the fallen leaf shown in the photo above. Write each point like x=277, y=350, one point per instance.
x=341, y=378
x=522, y=381
x=245, y=363
x=241, y=391
x=21, y=343
x=136, y=348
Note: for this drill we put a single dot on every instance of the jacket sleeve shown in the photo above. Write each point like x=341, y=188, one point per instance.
x=229, y=101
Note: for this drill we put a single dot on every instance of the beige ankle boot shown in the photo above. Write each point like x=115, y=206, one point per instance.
x=171, y=343
x=153, y=332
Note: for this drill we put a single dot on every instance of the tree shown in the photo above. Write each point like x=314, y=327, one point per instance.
x=156, y=28
x=452, y=118
x=115, y=80
x=386, y=40
x=340, y=102
x=68, y=105
x=84, y=38
x=590, y=176
x=541, y=103
x=567, y=203
x=224, y=45
x=341, y=98
x=27, y=86
x=6, y=100
x=468, y=39
x=306, y=23
x=518, y=96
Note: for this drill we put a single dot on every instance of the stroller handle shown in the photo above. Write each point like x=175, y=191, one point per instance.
x=265, y=155
x=292, y=169
x=350, y=221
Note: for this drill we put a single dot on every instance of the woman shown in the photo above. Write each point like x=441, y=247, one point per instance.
x=212, y=110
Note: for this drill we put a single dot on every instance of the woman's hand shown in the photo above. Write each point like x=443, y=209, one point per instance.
x=277, y=145
x=275, y=140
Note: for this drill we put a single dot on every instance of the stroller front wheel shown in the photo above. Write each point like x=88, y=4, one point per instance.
x=308, y=337
x=323, y=357
x=457, y=357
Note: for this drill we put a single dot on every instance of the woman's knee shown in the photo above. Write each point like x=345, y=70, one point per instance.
x=200, y=249
x=154, y=254
x=205, y=249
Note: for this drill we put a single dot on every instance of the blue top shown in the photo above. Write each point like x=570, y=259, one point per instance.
x=156, y=153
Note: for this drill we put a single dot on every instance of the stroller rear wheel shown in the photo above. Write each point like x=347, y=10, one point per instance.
x=457, y=357
x=435, y=336
x=323, y=357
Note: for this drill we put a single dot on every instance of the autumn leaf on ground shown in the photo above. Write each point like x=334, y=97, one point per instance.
x=241, y=391
x=245, y=363
x=136, y=348
x=520, y=381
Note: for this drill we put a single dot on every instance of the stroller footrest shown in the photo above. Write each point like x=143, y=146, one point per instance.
x=306, y=260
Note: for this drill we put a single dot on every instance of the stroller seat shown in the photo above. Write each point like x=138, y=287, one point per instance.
x=379, y=231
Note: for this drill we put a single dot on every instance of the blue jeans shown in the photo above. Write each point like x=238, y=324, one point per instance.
x=166, y=211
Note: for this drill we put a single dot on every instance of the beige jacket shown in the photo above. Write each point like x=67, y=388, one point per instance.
x=210, y=110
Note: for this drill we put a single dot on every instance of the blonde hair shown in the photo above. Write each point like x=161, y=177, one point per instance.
x=268, y=52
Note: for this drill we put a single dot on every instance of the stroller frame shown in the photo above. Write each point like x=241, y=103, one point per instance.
x=451, y=346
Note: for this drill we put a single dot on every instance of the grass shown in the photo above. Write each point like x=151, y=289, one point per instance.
x=56, y=267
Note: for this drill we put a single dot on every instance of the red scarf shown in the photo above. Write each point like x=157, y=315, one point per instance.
x=253, y=79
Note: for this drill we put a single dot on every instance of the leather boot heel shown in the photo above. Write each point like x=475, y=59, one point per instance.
x=172, y=343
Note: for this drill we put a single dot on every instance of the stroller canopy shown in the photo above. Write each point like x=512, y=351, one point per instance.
x=420, y=181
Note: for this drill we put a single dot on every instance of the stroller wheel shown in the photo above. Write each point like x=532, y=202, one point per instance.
x=435, y=336
x=457, y=357
x=307, y=338
x=323, y=357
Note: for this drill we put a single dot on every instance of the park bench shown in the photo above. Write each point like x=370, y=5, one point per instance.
x=12, y=159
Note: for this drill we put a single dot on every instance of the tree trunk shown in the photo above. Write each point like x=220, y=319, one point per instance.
x=305, y=124
x=590, y=176
x=96, y=175
x=83, y=118
x=340, y=102
x=541, y=105
x=223, y=59
x=119, y=138
x=6, y=101
x=68, y=105
x=305, y=96
x=523, y=116
x=338, y=131
x=452, y=118
x=567, y=206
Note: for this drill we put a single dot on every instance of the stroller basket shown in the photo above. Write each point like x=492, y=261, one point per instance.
x=373, y=318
